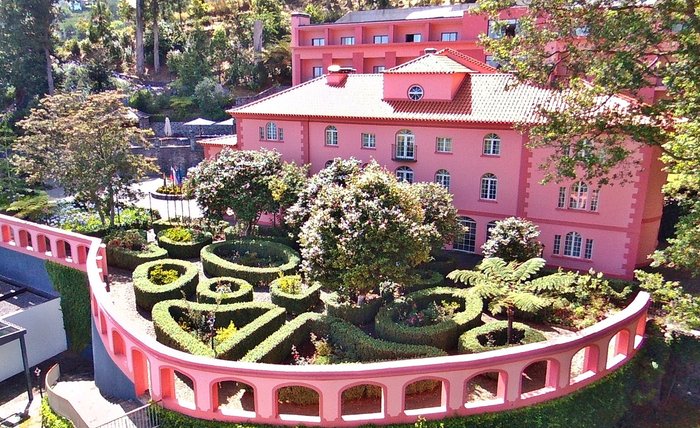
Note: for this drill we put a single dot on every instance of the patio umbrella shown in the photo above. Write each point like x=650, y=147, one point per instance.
x=227, y=122
x=167, y=129
x=199, y=122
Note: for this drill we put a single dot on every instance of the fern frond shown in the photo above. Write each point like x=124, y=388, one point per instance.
x=556, y=282
x=527, y=268
x=528, y=302
x=468, y=277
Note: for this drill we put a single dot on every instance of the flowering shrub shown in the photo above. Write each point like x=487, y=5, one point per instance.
x=434, y=313
x=179, y=234
x=513, y=239
x=324, y=352
x=290, y=284
x=133, y=240
x=160, y=275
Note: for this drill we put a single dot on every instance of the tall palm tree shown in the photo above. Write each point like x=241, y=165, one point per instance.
x=508, y=286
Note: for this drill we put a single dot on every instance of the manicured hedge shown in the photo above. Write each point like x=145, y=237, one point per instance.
x=469, y=341
x=73, y=287
x=262, y=234
x=51, y=419
x=128, y=259
x=443, y=335
x=254, y=321
x=354, y=342
x=184, y=250
x=164, y=223
x=241, y=291
x=443, y=262
x=350, y=312
x=214, y=265
x=296, y=303
x=148, y=294
x=431, y=279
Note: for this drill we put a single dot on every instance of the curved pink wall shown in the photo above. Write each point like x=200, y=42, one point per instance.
x=150, y=365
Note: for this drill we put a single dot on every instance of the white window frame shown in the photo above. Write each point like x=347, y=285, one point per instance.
x=317, y=71
x=556, y=248
x=489, y=187
x=380, y=39
x=318, y=41
x=466, y=241
x=443, y=145
x=271, y=133
x=493, y=33
x=492, y=145
x=489, y=229
x=449, y=36
x=561, y=202
x=405, y=145
x=347, y=40
x=416, y=37
x=378, y=69
x=405, y=173
x=442, y=177
x=588, y=249
x=369, y=141
x=415, y=92
x=572, y=244
x=331, y=136
x=578, y=196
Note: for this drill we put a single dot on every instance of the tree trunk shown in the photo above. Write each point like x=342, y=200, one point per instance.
x=49, y=71
x=156, y=36
x=511, y=315
x=140, y=69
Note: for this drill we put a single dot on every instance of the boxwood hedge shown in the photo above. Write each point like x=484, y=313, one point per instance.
x=253, y=320
x=128, y=259
x=470, y=343
x=215, y=265
x=148, y=294
x=350, y=312
x=184, y=250
x=262, y=234
x=164, y=223
x=295, y=303
x=442, y=335
x=241, y=290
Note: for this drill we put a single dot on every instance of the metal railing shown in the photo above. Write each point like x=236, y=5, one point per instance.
x=144, y=417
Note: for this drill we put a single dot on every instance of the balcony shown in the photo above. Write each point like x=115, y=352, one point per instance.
x=404, y=153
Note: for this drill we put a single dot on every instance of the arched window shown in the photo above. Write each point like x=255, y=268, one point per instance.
x=271, y=131
x=578, y=196
x=489, y=185
x=572, y=245
x=405, y=147
x=489, y=229
x=331, y=136
x=442, y=177
x=467, y=240
x=492, y=145
x=404, y=173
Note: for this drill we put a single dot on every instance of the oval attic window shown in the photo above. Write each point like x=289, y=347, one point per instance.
x=415, y=92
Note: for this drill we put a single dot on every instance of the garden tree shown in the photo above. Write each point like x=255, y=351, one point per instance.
x=155, y=30
x=26, y=44
x=140, y=66
x=211, y=98
x=278, y=62
x=103, y=54
x=10, y=183
x=628, y=47
x=287, y=186
x=507, y=286
x=238, y=180
x=439, y=210
x=364, y=231
x=83, y=144
x=513, y=239
x=275, y=23
x=220, y=52
x=192, y=63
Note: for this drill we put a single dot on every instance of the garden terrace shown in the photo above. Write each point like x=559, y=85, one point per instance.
x=606, y=346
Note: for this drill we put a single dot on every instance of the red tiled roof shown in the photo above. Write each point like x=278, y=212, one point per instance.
x=225, y=140
x=430, y=64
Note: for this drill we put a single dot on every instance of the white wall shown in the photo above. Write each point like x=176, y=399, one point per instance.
x=45, y=337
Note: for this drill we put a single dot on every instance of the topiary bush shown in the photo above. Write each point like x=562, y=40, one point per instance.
x=493, y=335
x=442, y=335
x=253, y=322
x=129, y=248
x=290, y=293
x=183, y=243
x=148, y=293
x=350, y=312
x=224, y=290
x=215, y=263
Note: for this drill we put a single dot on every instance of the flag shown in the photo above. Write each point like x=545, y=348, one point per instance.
x=178, y=176
x=172, y=175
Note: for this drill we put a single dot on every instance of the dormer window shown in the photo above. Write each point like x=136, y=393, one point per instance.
x=415, y=92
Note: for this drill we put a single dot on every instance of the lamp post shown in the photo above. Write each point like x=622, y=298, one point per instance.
x=37, y=373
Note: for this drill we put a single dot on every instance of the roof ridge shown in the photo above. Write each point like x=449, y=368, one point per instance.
x=275, y=94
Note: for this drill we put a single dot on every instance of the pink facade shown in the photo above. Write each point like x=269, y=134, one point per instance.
x=383, y=39
x=153, y=367
x=462, y=134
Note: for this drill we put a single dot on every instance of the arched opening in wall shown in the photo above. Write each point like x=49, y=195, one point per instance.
x=424, y=395
x=584, y=364
x=363, y=400
x=234, y=398
x=618, y=348
x=184, y=389
x=486, y=389
x=62, y=249
x=103, y=323
x=7, y=235
x=43, y=245
x=538, y=378
x=639, y=332
x=82, y=254
x=117, y=343
x=142, y=374
x=298, y=402
x=25, y=240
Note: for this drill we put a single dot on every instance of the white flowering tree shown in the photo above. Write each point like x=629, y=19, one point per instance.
x=513, y=239
x=363, y=230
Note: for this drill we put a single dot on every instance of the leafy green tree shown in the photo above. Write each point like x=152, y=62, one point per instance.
x=10, y=182
x=211, y=98
x=83, y=143
x=625, y=47
x=278, y=62
x=507, y=286
x=192, y=63
x=513, y=239
x=440, y=212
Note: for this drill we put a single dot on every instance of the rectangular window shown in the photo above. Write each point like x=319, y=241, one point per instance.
x=378, y=68
x=378, y=40
x=492, y=62
x=317, y=71
x=449, y=37
x=318, y=42
x=443, y=145
x=347, y=40
x=280, y=134
x=561, y=203
x=369, y=141
x=506, y=27
x=595, y=195
x=557, y=244
x=262, y=133
x=588, y=252
x=413, y=37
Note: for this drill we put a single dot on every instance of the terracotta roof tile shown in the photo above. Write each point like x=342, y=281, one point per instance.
x=430, y=64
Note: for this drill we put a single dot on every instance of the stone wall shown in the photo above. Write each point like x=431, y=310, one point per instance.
x=180, y=130
x=168, y=152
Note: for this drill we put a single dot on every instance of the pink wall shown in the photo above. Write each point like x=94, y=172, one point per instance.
x=440, y=87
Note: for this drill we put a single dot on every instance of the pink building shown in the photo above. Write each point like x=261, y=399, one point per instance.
x=448, y=118
x=371, y=41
